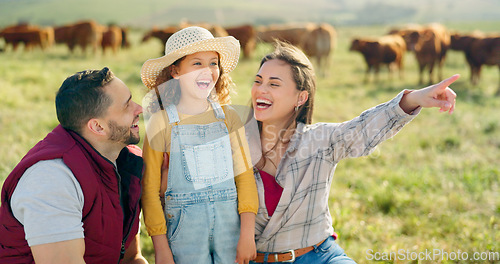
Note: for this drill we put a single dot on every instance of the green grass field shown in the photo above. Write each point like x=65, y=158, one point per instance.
x=435, y=186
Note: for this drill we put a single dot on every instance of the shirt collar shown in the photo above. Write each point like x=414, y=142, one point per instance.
x=294, y=141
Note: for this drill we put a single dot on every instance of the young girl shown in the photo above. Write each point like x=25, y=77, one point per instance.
x=294, y=176
x=198, y=172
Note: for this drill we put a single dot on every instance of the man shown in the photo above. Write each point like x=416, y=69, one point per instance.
x=74, y=197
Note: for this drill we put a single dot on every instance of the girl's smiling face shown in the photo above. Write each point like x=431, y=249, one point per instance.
x=197, y=74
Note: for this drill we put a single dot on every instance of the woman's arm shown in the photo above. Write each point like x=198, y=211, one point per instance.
x=360, y=136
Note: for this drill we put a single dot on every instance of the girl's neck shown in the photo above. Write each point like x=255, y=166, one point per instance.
x=192, y=107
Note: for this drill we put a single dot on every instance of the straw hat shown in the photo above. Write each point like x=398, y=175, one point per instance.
x=188, y=41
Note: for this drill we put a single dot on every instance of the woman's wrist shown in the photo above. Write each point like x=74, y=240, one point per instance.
x=408, y=102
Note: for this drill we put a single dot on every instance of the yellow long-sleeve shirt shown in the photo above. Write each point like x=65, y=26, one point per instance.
x=157, y=142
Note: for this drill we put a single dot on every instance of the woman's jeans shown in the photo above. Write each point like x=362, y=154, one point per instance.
x=329, y=252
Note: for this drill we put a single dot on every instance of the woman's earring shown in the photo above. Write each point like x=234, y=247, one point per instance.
x=296, y=108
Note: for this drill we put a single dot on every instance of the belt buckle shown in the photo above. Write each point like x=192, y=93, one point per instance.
x=289, y=251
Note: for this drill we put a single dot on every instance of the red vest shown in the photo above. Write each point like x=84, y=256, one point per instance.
x=111, y=206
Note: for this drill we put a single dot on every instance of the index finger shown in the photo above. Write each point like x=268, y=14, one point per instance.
x=450, y=80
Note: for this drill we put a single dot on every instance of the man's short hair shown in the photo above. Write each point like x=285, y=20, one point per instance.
x=81, y=97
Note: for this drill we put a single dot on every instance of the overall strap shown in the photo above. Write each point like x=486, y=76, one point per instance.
x=240, y=142
x=219, y=113
x=173, y=117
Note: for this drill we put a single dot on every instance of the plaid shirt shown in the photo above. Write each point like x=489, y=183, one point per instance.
x=302, y=217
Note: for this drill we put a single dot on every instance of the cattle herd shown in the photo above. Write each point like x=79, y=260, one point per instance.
x=429, y=43
x=82, y=34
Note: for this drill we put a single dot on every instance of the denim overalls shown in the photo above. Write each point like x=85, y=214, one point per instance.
x=201, y=206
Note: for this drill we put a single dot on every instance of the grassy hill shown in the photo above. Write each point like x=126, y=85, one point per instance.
x=145, y=13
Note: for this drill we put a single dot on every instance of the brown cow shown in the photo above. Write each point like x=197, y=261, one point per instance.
x=161, y=34
x=111, y=38
x=479, y=50
x=62, y=34
x=430, y=44
x=291, y=33
x=387, y=50
x=30, y=39
x=427, y=53
x=319, y=44
x=317, y=41
x=82, y=34
x=247, y=36
x=406, y=32
x=29, y=35
x=431, y=48
x=19, y=27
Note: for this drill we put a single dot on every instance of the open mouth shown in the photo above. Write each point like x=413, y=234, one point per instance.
x=135, y=125
x=203, y=84
x=263, y=103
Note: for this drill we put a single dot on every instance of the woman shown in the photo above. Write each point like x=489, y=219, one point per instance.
x=295, y=172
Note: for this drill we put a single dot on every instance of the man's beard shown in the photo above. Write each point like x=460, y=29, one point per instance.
x=122, y=134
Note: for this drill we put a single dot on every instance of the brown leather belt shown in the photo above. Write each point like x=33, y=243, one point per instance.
x=288, y=256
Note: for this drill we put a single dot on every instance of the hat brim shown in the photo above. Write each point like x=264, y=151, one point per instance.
x=227, y=47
